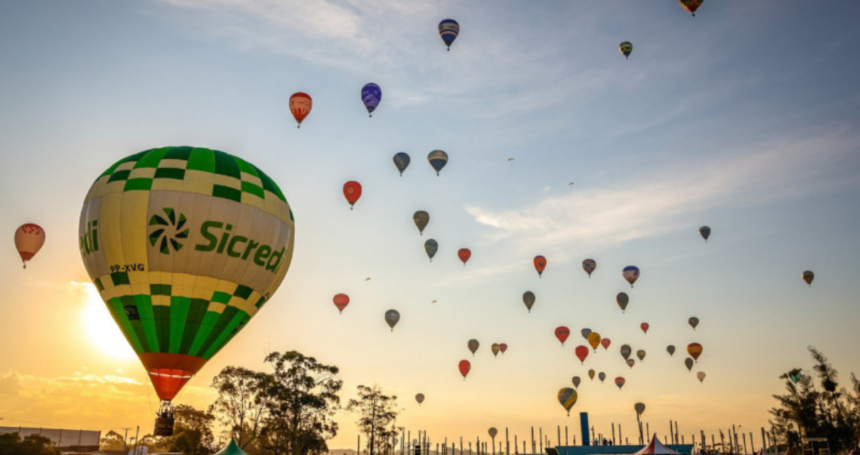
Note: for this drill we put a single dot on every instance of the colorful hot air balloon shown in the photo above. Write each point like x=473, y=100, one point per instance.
x=503, y=347
x=421, y=218
x=529, y=300
x=701, y=375
x=705, y=232
x=670, y=349
x=644, y=326
x=371, y=95
x=495, y=348
x=438, y=159
x=576, y=381
x=594, y=340
x=300, y=106
x=631, y=362
x=448, y=31
x=392, y=317
x=185, y=245
x=808, y=276
x=626, y=350
x=473, y=345
x=622, y=299
x=401, y=162
x=694, y=322
x=605, y=342
x=464, y=367
x=581, y=353
x=691, y=5
x=695, y=350
x=619, y=381
x=639, y=408
x=351, y=191
x=589, y=265
x=631, y=274
x=591, y=374
x=430, y=246
x=30, y=237
x=464, y=254
x=602, y=377
x=540, y=265
x=640, y=354
x=567, y=398
x=626, y=48
x=419, y=398
x=341, y=301
x=585, y=333
x=562, y=333
x=689, y=363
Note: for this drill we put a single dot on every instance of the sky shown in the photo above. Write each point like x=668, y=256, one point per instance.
x=743, y=118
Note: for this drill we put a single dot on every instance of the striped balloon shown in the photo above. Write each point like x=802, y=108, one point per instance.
x=449, y=29
x=567, y=398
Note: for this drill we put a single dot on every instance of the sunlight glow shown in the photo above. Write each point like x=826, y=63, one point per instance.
x=100, y=326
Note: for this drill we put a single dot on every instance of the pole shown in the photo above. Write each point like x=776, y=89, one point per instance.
x=136, y=435
x=639, y=424
x=752, y=443
x=613, y=433
x=676, y=432
x=559, y=435
x=507, y=443
x=619, y=434
x=745, y=442
x=516, y=444
x=540, y=431
x=534, y=447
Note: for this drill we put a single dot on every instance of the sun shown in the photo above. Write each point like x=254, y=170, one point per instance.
x=100, y=326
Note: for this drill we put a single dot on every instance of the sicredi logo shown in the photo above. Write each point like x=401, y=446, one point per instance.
x=89, y=242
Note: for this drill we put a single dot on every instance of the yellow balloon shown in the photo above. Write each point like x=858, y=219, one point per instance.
x=594, y=340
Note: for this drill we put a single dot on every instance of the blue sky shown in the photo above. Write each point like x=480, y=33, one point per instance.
x=743, y=118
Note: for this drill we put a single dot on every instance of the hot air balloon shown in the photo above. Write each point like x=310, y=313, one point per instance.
x=701, y=375
x=622, y=299
x=581, y=353
x=639, y=407
x=464, y=367
x=421, y=218
x=300, y=106
x=585, y=333
x=705, y=232
x=492, y=432
x=670, y=349
x=640, y=354
x=601, y=376
x=495, y=348
x=644, y=326
x=351, y=191
x=401, y=162
x=30, y=237
x=631, y=274
x=464, y=254
x=503, y=347
x=691, y=5
x=626, y=48
x=438, y=159
x=567, y=398
x=694, y=322
x=695, y=350
x=589, y=265
x=529, y=300
x=392, y=317
x=430, y=246
x=540, y=265
x=605, y=342
x=591, y=374
x=631, y=362
x=371, y=95
x=448, y=31
x=511, y=160
x=419, y=398
x=689, y=363
x=619, y=381
x=341, y=301
x=562, y=333
x=594, y=340
x=808, y=276
x=576, y=381
x=626, y=350
x=183, y=270
x=473, y=345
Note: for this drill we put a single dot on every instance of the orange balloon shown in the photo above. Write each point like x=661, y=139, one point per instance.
x=594, y=340
x=29, y=239
x=540, y=264
x=695, y=350
x=300, y=106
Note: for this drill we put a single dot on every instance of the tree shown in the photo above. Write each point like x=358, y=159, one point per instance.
x=242, y=404
x=192, y=433
x=302, y=401
x=378, y=418
x=112, y=441
x=12, y=444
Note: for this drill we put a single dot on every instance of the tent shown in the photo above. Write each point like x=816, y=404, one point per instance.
x=656, y=448
x=231, y=449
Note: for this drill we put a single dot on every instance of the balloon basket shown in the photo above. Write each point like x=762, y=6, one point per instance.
x=164, y=420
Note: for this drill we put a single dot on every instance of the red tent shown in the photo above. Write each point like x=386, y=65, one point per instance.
x=656, y=448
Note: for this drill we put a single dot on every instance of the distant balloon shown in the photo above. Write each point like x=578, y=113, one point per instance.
x=448, y=31
x=576, y=381
x=562, y=333
x=639, y=407
x=351, y=191
x=300, y=106
x=511, y=160
x=694, y=322
x=570, y=185
x=670, y=349
x=341, y=301
x=366, y=280
x=691, y=5
x=631, y=274
x=644, y=326
x=567, y=398
x=695, y=350
x=701, y=375
x=438, y=159
x=705, y=232
x=421, y=218
x=626, y=350
x=808, y=276
x=622, y=299
x=29, y=239
x=626, y=48
x=605, y=343
x=581, y=353
x=392, y=317
x=689, y=363
x=631, y=362
x=601, y=376
x=591, y=374
x=585, y=333
x=594, y=340
x=640, y=354
x=540, y=265
x=619, y=381
x=464, y=367
x=401, y=162
x=464, y=254
x=495, y=348
x=419, y=398
x=589, y=265
x=492, y=432
x=529, y=300
x=371, y=96
x=473, y=345
x=503, y=347
x=431, y=247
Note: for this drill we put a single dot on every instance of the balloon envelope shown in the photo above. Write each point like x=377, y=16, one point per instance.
x=639, y=407
x=631, y=362
x=605, y=342
x=473, y=345
x=691, y=5
x=431, y=247
x=540, y=264
x=701, y=375
x=495, y=348
x=448, y=31
x=644, y=326
x=626, y=350
x=585, y=332
x=341, y=301
x=392, y=317
x=581, y=353
x=705, y=232
x=601, y=376
x=464, y=254
x=300, y=106
x=640, y=354
x=689, y=363
x=594, y=340
x=204, y=238
x=591, y=374
x=529, y=300
x=695, y=350
x=808, y=276
x=619, y=381
x=694, y=322
x=622, y=299
x=30, y=237
x=670, y=349
x=626, y=48
x=464, y=367
x=576, y=381
x=419, y=398
x=562, y=333
x=589, y=265
x=503, y=347
x=371, y=95
x=401, y=161
x=438, y=159
x=631, y=274
x=567, y=398
x=421, y=218
x=351, y=191
x=492, y=432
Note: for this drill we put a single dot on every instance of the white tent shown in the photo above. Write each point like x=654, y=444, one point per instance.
x=656, y=448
